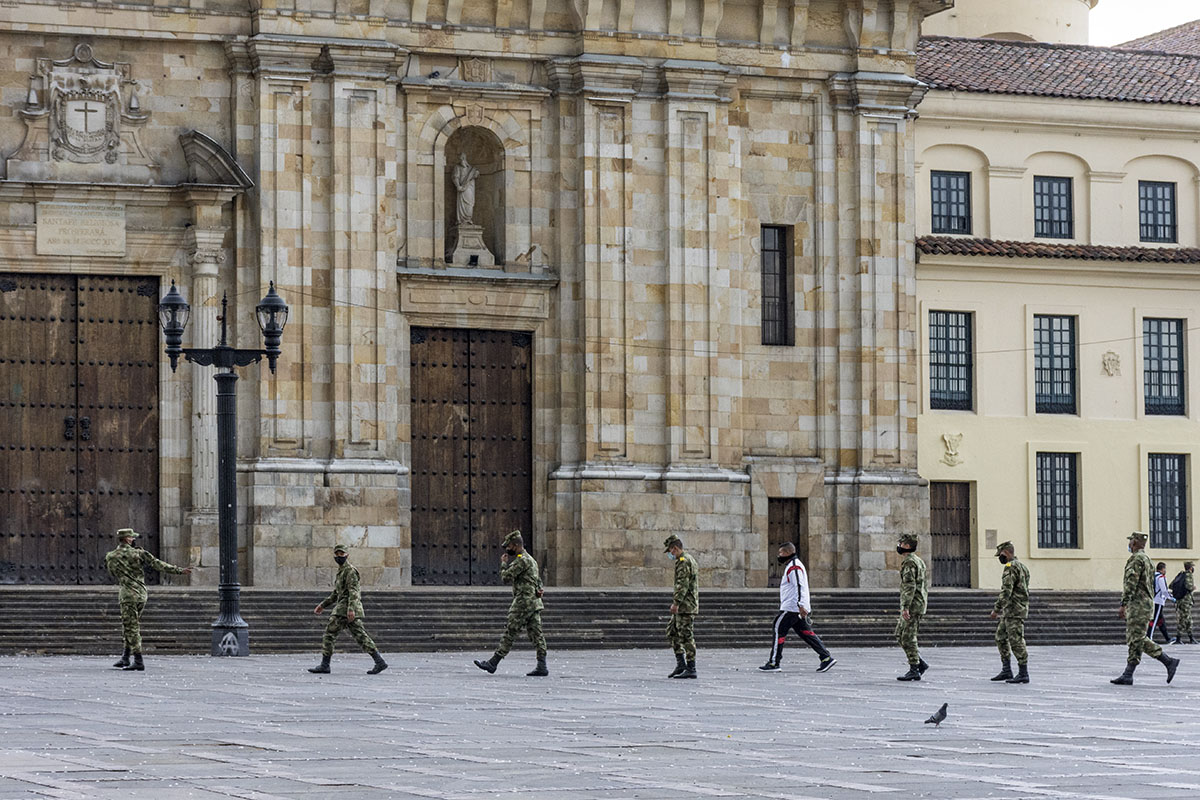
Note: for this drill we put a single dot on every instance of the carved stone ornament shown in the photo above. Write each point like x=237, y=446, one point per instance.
x=474, y=114
x=1110, y=364
x=952, y=441
x=476, y=70
x=81, y=110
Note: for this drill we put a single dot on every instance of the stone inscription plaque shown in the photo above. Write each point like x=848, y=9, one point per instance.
x=78, y=229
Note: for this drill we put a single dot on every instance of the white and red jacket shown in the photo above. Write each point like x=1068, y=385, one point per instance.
x=793, y=587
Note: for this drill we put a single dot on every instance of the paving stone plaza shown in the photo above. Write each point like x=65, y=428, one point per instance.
x=605, y=724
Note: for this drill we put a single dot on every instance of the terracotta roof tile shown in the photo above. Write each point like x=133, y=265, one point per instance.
x=1183, y=38
x=956, y=246
x=1055, y=70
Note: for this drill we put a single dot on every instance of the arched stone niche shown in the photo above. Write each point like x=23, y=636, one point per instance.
x=484, y=152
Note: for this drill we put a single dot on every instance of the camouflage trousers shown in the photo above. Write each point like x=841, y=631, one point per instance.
x=1010, y=639
x=906, y=637
x=338, y=623
x=681, y=633
x=131, y=622
x=1135, y=635
x=1183, y=615
x=528, y=620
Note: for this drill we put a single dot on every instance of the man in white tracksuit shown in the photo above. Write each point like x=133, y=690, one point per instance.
x=1161, y=595
x=794, y=608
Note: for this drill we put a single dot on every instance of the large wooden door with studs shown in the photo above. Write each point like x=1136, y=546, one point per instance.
x=950, y=532
x=78, y=422
x=472, y=457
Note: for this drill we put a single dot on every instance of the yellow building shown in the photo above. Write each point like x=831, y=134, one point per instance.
x=1059, y=296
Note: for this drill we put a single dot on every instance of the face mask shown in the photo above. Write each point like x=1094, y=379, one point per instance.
x=510, y=552
x=340, y=560
x=1003, y=559
x=901, y=549
x=784, y=559
x=670, y=556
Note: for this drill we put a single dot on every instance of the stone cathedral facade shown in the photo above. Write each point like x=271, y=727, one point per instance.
x=682, y=299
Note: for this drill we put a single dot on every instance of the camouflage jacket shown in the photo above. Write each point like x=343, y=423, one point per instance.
x=127, y=565
x=522, y=572
x=914, y=595
x=1138, y=588
x=687, y=585
x=1014, y=591
x=346, y=595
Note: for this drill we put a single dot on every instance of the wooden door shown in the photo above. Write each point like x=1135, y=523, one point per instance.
x=78, y=423
x=471, y=394
x=950, y=530
x=787, y=521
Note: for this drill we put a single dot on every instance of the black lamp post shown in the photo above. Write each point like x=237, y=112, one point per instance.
x=230, y=633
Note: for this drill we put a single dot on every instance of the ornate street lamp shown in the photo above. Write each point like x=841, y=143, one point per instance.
x=230, y=633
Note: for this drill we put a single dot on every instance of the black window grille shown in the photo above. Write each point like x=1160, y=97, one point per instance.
x=1053, y=208
x=1156, y=211
x=951, y=194
x=777, y=316
x=1054, y=364
x=1162, y=365
x=951, y=357
x=1058, y=500
x=1168, y=500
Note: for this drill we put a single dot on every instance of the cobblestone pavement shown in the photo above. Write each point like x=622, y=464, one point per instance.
x=605, y=724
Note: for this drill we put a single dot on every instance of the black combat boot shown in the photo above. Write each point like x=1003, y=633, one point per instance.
x=1171, y=664
x=124, y=662
x=689, y=670
x=323, y=667
x=137, y=664
x=913, y=674
x=680, y=666
x=1190, y=639
x=489, y=666
x=540, y=670
x=1126, y=677
x=1022, y=675
x=921, y=665
x=1006, y=672
x=380, y=664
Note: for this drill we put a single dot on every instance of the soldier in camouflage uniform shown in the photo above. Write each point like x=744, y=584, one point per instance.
x=1183, y=606
x=346, y=601
x=518, y=568
x=1137, y=606
x=127, y=564
x=913, y=601
x=685, y=605
x=1012, y=609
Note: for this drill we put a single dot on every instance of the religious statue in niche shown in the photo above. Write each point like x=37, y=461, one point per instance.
x=464, y=182
x=81, y=111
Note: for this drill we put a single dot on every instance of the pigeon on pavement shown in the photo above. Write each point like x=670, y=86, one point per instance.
x=938, y=716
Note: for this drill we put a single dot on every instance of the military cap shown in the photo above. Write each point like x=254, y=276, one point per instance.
x=512, y=537
x=1000, y=548
x=908, y=538
x=670, y=542
x=341, y=548
x=1138, y=536
x=128, y=533
x=1188, y=565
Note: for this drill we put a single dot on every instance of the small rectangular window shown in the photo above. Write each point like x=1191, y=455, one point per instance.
x=951, y=194
x=1168, y=500
x=1162, y=365
x=1058, y=500
x=1053, y=208
x=1156, y=211
x=951, y=360
x=1054, y=364
x=778, y=325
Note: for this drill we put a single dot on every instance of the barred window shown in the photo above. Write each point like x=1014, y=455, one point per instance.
x=1162, y=365
x=1168, y=500
x=1054, y=364
x=777, y=315
x=1156, y=211
x=951, y=193
x=1058, y=500
x=951, y=357
x=1053, y=208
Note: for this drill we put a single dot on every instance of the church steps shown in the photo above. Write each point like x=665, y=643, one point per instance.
x=177, y=619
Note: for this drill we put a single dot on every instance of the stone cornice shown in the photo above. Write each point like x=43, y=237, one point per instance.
x=877, y=93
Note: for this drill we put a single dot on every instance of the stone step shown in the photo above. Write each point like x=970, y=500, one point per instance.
x=86, y=620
